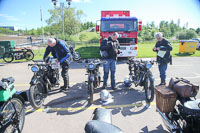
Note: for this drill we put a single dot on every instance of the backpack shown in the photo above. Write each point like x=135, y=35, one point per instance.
x=104, y=53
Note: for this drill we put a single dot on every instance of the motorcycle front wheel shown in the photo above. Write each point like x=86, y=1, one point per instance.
x=13, y=113
x=91, y=91
x=8, y=57
x=149, y=89
x=29, y=55
x=76, y=56
x=36, y=98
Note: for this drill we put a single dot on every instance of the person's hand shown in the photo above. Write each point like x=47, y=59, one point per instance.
x=158, y=48
x=116, y=51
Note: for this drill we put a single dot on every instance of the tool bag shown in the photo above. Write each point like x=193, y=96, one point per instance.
x=183, y=87
x=7, y=89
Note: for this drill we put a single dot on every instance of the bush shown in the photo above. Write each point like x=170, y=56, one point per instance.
x=189, y=34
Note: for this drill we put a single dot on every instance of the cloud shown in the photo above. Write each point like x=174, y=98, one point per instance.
x=81, y=1
x=12, y=18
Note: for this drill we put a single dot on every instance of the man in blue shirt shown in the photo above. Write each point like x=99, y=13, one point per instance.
x=59, y=50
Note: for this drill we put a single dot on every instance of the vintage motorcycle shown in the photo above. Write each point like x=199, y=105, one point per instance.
x=45, y=78
x=140, y=75
x=75, y=55
x=12, y=107
x=94, y=75
x=184, y=116
x=24, y=53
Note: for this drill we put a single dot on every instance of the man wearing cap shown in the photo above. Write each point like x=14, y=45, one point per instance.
x=59, y=50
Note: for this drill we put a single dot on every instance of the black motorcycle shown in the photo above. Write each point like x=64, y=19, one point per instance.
x=140, y=75
x=45, y=78
x=12, y=107
x=94, y=75
x=184, y=117
x=75, y=55
x=18, y=54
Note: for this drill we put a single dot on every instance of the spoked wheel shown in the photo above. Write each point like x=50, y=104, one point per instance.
x=29, y=55
x=149, y=89
x=8, y=57
x=76, y=56
x=36, y=97
x=14, y=112
x=91, y=91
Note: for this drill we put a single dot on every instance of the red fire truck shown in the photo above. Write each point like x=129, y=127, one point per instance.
x=125, y=25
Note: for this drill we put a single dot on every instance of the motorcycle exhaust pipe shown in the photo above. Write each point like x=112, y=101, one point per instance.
x=169, y=126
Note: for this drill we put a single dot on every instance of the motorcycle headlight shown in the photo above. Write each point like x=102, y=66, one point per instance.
x=34, y=68
x=91, y=66
x=148, y=65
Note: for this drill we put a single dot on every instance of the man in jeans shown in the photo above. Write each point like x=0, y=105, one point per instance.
x=163, y=48
x=112, y=47
x=59, y=50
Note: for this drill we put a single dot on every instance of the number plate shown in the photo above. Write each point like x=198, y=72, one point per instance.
x=122, y=48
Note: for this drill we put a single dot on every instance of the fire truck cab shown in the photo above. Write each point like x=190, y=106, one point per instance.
x=126, y=26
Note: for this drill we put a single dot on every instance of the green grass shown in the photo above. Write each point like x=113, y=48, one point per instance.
x=145, y=50
x=92, y=51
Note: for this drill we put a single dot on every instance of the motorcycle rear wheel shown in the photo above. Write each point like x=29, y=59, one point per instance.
x=149, y=90
x=91, y=91
x=29, y=55
x=9, y=113
x=8, y=57
x=76, y=56
x=35, y=97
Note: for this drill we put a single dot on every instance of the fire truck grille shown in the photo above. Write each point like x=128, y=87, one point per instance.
x=126, y=40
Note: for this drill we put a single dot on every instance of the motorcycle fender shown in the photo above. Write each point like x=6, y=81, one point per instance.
x=34, y=81
x=91, y=78
x=151, y=78
x=23, y=95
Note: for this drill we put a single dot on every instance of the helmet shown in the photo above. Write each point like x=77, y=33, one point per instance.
x=127, y=82
x=105, y=97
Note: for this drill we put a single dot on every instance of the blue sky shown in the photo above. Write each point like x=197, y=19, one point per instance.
x=26, y=13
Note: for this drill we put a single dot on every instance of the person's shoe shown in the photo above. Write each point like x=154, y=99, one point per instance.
x=64, y=88
x=104, y=87
x=161, y=84
x=114, y=88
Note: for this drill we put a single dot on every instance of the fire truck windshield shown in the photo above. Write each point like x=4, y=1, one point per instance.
x=119, y=25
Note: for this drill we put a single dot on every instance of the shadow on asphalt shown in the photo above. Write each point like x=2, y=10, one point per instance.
x=76, y=97
x=124, y=96
x=158, y=130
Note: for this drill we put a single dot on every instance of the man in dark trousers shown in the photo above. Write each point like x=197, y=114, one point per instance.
x=112, y=47
x=163, y=48
x=59, y=50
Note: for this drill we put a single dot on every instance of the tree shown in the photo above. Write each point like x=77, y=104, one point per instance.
x=72, y=22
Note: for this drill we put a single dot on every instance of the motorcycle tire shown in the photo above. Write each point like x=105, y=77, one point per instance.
x=149, y=89
x=91, y=91
x=76, y=56
x=8, y=57
x=33, y=94
x=29, y=55
x=16, y=112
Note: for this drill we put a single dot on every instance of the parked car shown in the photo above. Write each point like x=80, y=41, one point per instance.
x=198, y=40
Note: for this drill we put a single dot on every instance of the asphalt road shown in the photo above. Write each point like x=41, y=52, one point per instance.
x=68, y=112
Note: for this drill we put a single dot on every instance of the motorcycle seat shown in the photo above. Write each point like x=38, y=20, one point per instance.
x=95, y=126
x=192, y=107
x=103, y=115
x=9, y=80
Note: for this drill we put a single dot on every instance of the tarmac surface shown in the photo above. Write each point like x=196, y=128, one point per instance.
x=68, y=112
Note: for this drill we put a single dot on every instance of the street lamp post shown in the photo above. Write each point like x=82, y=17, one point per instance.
x=62, y=6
